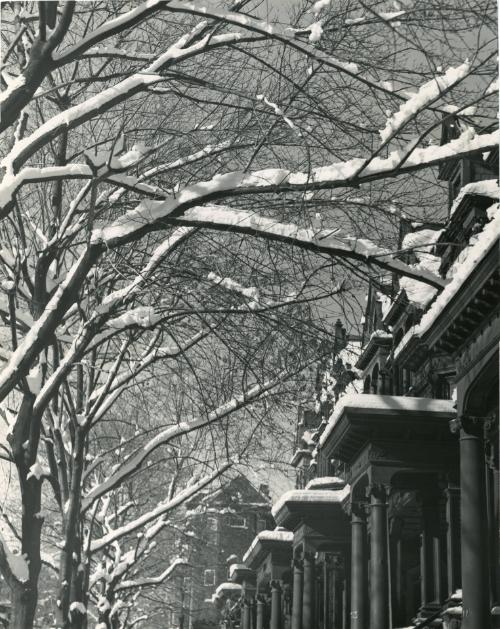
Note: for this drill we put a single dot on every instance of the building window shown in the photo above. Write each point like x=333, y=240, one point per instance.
x=209, y=577
x=238, y=522
x=455, y=185
x=261, y=525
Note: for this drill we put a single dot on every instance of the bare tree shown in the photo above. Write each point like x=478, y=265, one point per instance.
x=177, y=187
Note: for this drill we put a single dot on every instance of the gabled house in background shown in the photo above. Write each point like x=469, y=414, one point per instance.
x=395, y=519
x=220, y=525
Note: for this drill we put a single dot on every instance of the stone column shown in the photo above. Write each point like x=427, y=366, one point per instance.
x=474, y=528
x=359, y=563
x=245, y=614
x=259, y=619
x=453, y=539
x=248, y=614
x=308, y=592
x=396, y=569
x=275, y=605
x=379, y=560
x=430, y=555
x=253, y=613
x=298, y=584
x=326, y=592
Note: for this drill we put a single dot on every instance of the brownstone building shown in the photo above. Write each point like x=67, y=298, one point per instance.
x=395, y=519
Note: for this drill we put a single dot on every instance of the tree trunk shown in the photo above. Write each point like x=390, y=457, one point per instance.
x=24, y=444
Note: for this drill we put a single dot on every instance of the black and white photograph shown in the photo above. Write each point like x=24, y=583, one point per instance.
x=249, y=314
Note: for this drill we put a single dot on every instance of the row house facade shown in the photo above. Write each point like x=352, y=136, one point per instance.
x=394, y=522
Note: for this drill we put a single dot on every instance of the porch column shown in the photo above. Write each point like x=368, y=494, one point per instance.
x=338, y=593
x=379, y=564
x=245, y=614
x=298, y=582
x=259, y=621
x=253, y=612
x=308, y=593
x=474, y=527
x=359, y=562
x=453, y=539
x=430, y=555
x=326, y=592
x=397, y=571
x=275, y=605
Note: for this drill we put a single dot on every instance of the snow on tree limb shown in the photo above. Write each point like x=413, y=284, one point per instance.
x=149, y=581
x=148, y=214
x=14, y=567
x=426, y=94
x=155, y=353
x=134, y=462
x=140, y=81
x=108, y=29
x=23, y=357
x=326, y=241
x=161, y=509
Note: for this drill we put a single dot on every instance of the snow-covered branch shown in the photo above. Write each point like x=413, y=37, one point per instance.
x=328, y=241
x=149, y=214
x=150, y=581
x=134, y=462
x=161, y=509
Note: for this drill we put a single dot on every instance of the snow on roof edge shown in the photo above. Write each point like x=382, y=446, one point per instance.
x=381, y=402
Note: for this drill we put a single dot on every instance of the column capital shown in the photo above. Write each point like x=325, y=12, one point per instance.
x=298, y=563
x=358, y=510
x=474, y=425
x=309, y=556
x=275, y=585
x=379, y=491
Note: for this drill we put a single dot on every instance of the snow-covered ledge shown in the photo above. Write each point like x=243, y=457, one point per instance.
x=227, y=587
x=279, y=536
x=460, y=271
x=326, y=482
x=300, y=505
x=372, y=402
